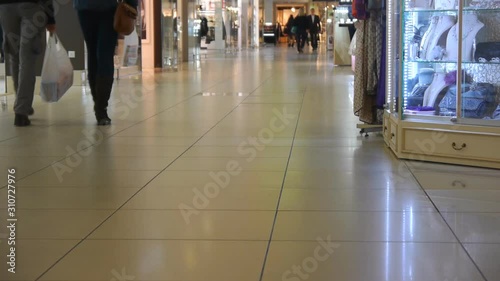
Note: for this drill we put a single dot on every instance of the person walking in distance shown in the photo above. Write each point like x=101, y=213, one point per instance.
x=23, y=23
x=302, y=26
x=289, y=33
x=96, y=21
x=314, y=28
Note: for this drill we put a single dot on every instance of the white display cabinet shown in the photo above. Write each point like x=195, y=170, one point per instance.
x=443, y=78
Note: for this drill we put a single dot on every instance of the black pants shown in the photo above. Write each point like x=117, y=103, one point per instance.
x=314, y=40
x=301, y=38
x=101, y=39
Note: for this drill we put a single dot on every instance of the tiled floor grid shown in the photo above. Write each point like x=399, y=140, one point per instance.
x=240, y=168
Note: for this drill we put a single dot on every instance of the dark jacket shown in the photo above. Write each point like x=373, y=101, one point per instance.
x=100, y=5
x=314, y=26
x=48, y=6
x=301, y=23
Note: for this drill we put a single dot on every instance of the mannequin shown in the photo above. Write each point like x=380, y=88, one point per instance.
x=445, y=4
x=437, y=86
x=471, y=26
x=420, y=4
x=439, y=25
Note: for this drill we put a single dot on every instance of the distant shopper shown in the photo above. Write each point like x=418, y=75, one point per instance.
x=23, y=23
x=302, y=25
x=289, y=31
x=314, y=28
x=96, y=20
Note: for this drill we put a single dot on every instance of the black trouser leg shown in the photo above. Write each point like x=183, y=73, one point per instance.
x=314, y=40
x=101, y=39
x=104, y=85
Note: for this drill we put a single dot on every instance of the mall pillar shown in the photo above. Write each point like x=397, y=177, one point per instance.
x=269, y=11
x=243, y=32
x=255, y=28
x=183, y=33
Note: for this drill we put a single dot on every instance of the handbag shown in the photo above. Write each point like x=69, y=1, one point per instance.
x=125, y=16
x=487, y=52
x=294, y=29
x=477, y=100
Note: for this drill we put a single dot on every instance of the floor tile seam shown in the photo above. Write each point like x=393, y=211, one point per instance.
x=107, y=136
x=141, y=188
x=73, y=186
x=161, y=111
x=222, y=168
x=468, y=213
x=219, y=210
x=38, y=170
x=235, y=157
x=268, y=247
x=146, y=239
x=259, y=240
x=352, y=188
x=8, y=139
x=264, y=240
x=283, y=210
x=476, y=265
x=93, y=145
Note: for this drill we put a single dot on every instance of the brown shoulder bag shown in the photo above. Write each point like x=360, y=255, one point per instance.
x=125, y=17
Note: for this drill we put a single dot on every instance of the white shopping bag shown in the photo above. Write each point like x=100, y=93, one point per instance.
x=57, y=71
x=131, y=49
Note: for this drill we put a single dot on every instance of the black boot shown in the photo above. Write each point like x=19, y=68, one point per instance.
x=21, y=120
x=103, y=87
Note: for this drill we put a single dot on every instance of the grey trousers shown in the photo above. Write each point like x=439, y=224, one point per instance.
x=23, y=25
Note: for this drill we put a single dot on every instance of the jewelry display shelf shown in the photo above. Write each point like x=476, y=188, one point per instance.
x=443, y=81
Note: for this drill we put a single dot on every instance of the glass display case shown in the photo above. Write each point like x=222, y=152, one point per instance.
x=170, y=35
x=444, y=76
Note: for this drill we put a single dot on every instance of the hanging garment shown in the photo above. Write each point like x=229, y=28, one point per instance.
x=381, y=89
x=374, y=51
x=364, y=105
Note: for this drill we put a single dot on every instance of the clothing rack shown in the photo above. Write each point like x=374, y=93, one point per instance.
x=367, y=128
x=370, y=60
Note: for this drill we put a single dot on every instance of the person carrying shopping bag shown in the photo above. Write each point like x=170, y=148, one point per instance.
x=96, y=21
x=23, y=23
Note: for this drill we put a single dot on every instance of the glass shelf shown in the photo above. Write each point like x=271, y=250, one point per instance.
x=430, y=11
x=480, y=63
x=412, y=11
x=430, y=61
x=450, y=62
x=472, y=9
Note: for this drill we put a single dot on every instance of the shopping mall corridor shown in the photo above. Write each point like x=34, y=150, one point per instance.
x=240, y=167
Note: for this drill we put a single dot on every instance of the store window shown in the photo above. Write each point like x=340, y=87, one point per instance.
x=170, y=34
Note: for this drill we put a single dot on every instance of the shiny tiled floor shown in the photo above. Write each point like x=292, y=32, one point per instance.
x=245, y=167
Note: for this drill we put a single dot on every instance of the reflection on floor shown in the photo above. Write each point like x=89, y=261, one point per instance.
x=262, y=177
